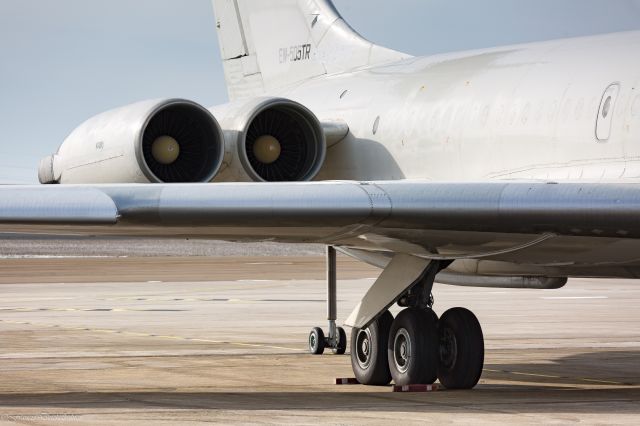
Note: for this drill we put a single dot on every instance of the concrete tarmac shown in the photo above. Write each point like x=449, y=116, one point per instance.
x=197, y=340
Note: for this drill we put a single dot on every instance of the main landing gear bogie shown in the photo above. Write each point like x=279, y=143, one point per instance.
x=420, y=349
x=415, y=348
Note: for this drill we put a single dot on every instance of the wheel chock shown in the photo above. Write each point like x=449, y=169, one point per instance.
x=348, y=381
x=415, y=388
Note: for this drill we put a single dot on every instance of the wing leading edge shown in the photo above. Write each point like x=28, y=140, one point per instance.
x=451, y=220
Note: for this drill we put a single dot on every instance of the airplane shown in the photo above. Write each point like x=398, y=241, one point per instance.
x=510, y=167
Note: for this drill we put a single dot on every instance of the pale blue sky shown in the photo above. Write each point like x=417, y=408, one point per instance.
x=62, y=61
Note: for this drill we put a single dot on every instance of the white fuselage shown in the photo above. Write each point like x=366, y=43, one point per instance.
x=531, y=111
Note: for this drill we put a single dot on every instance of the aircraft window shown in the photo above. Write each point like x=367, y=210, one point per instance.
x=343, y=94
x=604, y=123
x=376, y=124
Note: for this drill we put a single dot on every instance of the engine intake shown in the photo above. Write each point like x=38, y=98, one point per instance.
x=177, y=145
x=275, y=140
x=283, y=143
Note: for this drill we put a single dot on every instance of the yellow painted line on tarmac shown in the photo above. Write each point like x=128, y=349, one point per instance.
x=135, y=334
x=202, y=340
x=548, y=376
x=170, y=337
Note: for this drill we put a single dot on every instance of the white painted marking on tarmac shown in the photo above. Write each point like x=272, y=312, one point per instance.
x=575, y=298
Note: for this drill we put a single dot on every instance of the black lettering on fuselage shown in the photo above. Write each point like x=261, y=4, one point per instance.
x=295, y=53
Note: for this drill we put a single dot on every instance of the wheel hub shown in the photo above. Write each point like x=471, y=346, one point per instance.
x=312, y=341
x=402, y=350
x=363, y=348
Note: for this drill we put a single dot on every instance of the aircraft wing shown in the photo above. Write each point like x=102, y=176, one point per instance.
x=551, y=222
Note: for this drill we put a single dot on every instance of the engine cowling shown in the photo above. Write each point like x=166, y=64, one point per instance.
x=165, y=141
x=271, y=140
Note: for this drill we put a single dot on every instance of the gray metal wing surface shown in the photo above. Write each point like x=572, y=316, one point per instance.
x=533, y=222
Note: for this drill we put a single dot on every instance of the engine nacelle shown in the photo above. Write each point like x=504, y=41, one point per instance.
x=271, y=140
x=168, y=141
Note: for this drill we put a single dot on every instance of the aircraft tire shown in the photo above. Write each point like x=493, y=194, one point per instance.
x=461, y=349
x=434, y=372
x=413, y=349
x=369, y=352
x=342, y=342
x=316, y=341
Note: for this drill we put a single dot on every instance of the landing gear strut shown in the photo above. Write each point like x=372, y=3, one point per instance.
x=337, y=338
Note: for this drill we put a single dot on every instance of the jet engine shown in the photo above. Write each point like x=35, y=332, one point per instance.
x=168, y=141
x=271, y=140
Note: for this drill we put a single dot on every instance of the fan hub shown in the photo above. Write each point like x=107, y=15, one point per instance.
x=165, y=150
x=267, y=149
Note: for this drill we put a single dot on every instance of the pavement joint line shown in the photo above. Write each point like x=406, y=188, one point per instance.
x=604, y=382
x=547, y=376
x=138, y=334
x=163, y=300
x=574, y=298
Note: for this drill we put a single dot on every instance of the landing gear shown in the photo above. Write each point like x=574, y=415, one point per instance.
x=318, y=343
x=337, y=338
x=461, y=349
x=420, y=347
x=413, y=350
x=369, y=352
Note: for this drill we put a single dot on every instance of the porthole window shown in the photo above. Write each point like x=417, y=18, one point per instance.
x=604, y=123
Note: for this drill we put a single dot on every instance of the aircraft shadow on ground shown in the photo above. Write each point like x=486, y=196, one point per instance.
x=597, y=368
x=543, y=388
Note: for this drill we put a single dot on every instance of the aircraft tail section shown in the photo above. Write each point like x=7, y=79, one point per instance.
x=271, y=44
